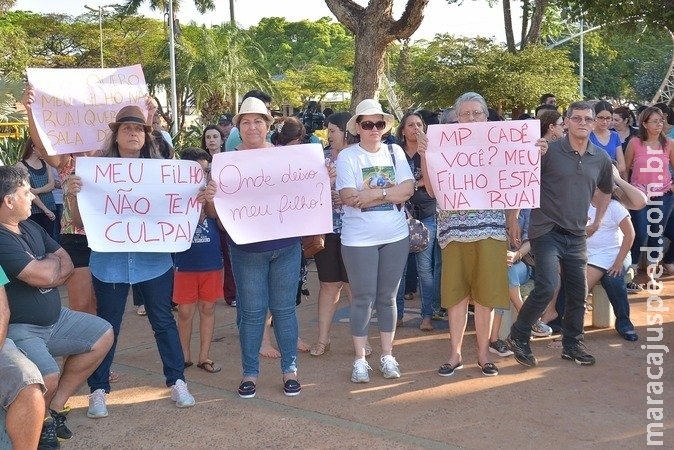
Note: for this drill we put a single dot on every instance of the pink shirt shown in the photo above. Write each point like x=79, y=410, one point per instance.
x=645, y=158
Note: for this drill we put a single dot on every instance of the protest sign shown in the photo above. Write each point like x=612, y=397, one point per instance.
x=485, y=165
x=139, y=205
x=73, y=107
x=273, y=193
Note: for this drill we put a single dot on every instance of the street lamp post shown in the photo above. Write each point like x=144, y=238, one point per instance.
x=100, y=24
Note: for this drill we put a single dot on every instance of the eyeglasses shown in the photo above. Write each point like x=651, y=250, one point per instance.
x=559, y=124
x=579, y=120
x=656, y=122
x=604, y=119
x=368, y=125
x=471, y=114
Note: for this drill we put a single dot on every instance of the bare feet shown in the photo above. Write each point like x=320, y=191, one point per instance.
x=426, y=324
x=268, y=351
x=302, y=346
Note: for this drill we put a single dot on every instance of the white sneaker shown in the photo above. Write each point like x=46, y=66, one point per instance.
x=540, y=329
x=97, y=408
x=389, y=367
x=181, y=395
x=360, y=372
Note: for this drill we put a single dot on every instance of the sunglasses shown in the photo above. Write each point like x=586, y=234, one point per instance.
x=368, y=125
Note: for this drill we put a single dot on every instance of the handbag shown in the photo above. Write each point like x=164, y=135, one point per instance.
x=312, y=244
x=419, y=235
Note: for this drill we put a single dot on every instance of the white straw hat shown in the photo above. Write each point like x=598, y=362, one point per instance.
x=369, y=107
x=253, y=105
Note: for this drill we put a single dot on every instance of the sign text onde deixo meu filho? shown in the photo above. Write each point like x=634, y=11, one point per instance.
x=273, y=193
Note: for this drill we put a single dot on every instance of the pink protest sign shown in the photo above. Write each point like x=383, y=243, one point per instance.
x=485, y=165
x=139, y=205
x=273, y=193
x=73, y=107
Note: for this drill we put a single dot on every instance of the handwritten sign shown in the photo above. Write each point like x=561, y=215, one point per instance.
x=73, y=107
x=273, y=193
x=485, y=165
x=139, y=205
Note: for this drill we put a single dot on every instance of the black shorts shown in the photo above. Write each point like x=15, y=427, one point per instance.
x=77, y=247
x=329, y=263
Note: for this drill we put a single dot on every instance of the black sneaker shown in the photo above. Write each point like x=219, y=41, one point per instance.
x=447, y=370
x=291, y=388
x=522, y=351
x=578, y=354
x=48, y=439
x=62, y=430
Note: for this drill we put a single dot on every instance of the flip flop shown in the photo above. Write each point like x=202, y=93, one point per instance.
x=188, y=364
x=209, y=366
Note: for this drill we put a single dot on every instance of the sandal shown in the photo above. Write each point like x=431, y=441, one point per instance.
x=209, y=366
x=188, y=364
x=319, y=348
x=113, y=377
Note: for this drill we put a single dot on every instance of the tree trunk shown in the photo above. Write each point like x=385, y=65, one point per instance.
x=525, y=23
x=374, y=28
x=508, y=23
x=536, y=20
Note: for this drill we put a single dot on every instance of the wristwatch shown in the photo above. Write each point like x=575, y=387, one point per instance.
x=383, y=194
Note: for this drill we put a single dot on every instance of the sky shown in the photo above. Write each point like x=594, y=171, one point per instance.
x=472, y=18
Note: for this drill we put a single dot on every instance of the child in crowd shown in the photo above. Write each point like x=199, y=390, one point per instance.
x=198, y=279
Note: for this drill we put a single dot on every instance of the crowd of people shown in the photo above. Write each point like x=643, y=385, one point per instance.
x=615, y=169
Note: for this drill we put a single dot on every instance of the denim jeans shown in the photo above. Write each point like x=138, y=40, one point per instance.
x=428, y=265
x=669, y=234
x=555, y=252
x=266, y=281
x=649, y=226
x=617, y=294
x=110, y=305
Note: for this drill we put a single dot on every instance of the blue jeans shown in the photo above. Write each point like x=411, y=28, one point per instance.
x=555, y=252
x=266, y=281
x=617, y=294
x=110, y=305
x=428, y=265
x=649, y=227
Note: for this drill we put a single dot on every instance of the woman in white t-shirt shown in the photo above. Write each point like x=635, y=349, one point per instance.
x=608, y=256
x=373, y=181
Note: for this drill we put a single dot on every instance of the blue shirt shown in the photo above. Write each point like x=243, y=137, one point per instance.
x=129, y=267
x=611, y=146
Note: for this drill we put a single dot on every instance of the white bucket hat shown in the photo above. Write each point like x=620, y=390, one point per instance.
x=253, y=105
x=369, y=107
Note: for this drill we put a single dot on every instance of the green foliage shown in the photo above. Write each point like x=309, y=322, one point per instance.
x=449, y=66
x=307, y=58
x=629, y=13
x=11, y=149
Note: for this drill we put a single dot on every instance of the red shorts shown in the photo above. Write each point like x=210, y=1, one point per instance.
x=190, y=287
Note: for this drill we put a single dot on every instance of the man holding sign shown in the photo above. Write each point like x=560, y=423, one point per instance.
x=570, y=172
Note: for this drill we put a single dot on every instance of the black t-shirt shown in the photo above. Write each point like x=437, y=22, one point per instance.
x=28, y=304
x=421, y=205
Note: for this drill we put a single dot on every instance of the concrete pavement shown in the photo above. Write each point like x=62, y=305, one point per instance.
x=558, y=404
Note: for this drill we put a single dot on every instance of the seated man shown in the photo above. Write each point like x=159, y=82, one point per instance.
x=21, y=388
x=38, y=324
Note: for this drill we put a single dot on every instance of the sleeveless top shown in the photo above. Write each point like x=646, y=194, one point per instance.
x=38, y=178
x=662, y=180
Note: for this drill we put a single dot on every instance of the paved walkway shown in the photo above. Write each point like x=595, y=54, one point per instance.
x=555, y=405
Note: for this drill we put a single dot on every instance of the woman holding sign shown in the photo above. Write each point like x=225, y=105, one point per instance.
x=265, y=274
x=373, y=180
x=151, y=273
x=475, y=244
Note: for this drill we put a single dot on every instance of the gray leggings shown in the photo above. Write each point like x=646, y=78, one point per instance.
x=374, y=275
